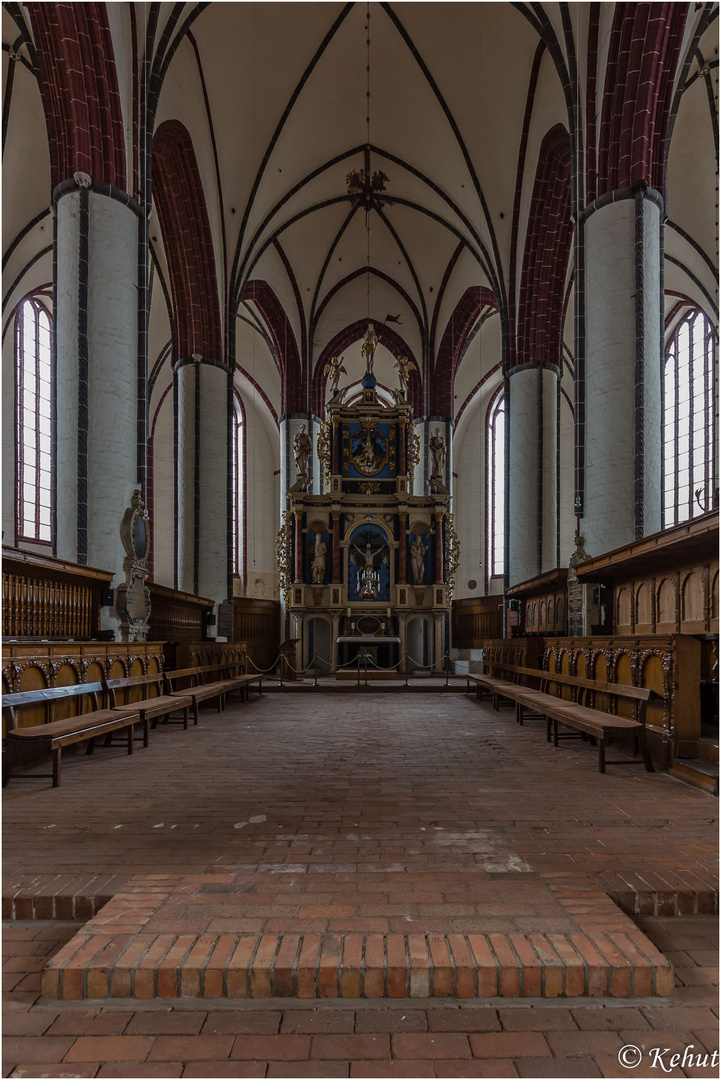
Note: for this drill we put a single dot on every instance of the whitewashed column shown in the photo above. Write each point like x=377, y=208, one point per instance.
x=202, y=477
x=622, y=437
x=96, y=341
x=532, y=415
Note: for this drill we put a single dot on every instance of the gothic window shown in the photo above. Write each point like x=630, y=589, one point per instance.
x=689, y=372
x=238, y=478
x=33, y=411
x=495, y=483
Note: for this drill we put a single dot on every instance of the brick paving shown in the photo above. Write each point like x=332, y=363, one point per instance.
x=333, y=790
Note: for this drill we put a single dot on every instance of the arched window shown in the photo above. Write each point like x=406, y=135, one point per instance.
x=33, y=412
x=238, y=450
x=495, y=484
x=689, y=372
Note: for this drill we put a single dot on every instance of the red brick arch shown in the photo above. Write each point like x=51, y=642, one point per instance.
x=292, y=398
x=545, y=257
x=387, y=337
x=182, y=212
x=79, y=87
x=464, y=317
x=643, y=54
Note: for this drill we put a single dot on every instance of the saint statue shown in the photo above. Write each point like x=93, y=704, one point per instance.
x=418, y=555
x=319, y=553
x=405, y=366
x=437, y=447
x=369, y=346
x=302, y=448
x=335, y=369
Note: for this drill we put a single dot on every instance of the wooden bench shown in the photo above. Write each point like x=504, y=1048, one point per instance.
x=28, y=744
x=198, y=690
x=231, y=672
x=153, y=706
x=577, y=712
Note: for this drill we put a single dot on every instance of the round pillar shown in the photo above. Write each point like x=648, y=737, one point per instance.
x=532, y=471
x=621, y=394
x=202, y=464
x=96, y=342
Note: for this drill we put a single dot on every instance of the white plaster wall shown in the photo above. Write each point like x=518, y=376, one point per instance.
x=213, y=555
x=163, y=538
x=263, y=499
x=550, y=469
x=610, y=358
x=567, y=523
x=468, y=505
x=112, y=347
x=652, y=495
x=522, y=476
x=186, y=474
x=9, y=449
x=66, y=336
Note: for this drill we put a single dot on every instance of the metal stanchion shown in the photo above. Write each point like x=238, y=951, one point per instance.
x=315, y=670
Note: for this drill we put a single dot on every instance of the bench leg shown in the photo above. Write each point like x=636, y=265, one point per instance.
x=195, y=710
x=90, y=747
x=146, y=731
x=548, y=729
x=601, y=754
x=130, y=738
x=519, y=713
x=645, y=752
x=57, y=764
x=555, y=732
x=185, y=718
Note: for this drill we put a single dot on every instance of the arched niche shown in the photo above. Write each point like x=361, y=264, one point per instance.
x=666, y=605
x=644, y=608
x=623, y=610
x=692, y=601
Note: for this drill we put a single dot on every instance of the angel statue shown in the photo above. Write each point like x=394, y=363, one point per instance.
x=335, y=369
x=405, y=366
x=369, y=346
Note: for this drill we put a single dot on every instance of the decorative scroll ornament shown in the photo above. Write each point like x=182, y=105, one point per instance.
x=133, y=596
x=414, y=450
x=452, y=556
x=284, y=556
x=322, y=448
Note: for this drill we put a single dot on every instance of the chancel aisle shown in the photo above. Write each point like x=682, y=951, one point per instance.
x=364, y=555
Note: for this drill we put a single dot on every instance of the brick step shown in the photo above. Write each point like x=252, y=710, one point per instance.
x=159, y=937
x=95, y=965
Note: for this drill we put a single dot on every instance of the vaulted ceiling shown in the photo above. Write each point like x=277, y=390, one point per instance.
x=282, y=101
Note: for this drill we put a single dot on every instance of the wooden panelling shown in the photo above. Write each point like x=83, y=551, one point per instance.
x=683, y=601
x=202, y=653
x=476, y=619
x=37, y=666
x=177, y=617
x=521, y=652
x=670, y=664
x=666, y=583
x=257, y=624
x=45, y=598
x=546, y=614
x=544, y=602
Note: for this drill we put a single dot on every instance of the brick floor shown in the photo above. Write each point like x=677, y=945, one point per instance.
x=421, y=785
